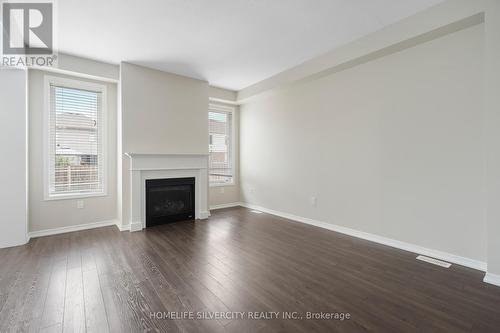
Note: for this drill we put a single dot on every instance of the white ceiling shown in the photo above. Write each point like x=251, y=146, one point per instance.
x=230, y=43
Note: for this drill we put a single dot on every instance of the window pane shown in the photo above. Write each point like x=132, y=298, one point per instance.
x=75, y=138
x=220, y=147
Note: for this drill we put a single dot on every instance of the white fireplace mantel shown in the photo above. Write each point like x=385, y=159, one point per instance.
x=160, y=166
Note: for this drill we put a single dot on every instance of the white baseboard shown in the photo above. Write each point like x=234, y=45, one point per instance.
x=463, y=261
x=122, y=227
x=12, y=243
x=135, y=226
x=492, y=279
x=204, y=215
x=63, y=230
x=226, y=205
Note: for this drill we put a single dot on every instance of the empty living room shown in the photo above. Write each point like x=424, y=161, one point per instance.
x=250, y=166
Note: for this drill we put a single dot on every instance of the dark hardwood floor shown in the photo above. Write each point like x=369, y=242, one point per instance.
x=104, y=280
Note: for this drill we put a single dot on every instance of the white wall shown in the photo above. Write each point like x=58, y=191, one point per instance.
x=161, y=113
x=392, y=147
x=222, y=94
x=13, y=117
x=71, y=64
x=63, y=213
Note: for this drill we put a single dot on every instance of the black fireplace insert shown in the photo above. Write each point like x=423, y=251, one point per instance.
x=169, y=200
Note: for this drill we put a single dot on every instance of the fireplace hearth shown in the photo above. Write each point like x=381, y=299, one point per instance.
x=169, y=200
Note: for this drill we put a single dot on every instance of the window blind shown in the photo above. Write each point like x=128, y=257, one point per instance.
x=75, y=140
x=221, y=170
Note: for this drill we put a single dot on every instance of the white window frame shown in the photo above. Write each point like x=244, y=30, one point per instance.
x=223, y=108
x=83, y=85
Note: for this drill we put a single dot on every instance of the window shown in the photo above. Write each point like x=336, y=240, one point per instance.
x=75, y=118
x=221, y=154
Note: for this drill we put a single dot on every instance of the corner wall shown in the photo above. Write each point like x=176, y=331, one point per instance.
x=13, y=179
x=492, y=129
x=161, y=113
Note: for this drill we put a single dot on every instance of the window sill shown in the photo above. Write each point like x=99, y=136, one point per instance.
x=222, y=185
x=55, y=197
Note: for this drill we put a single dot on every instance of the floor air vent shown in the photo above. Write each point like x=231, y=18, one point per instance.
x=434, y=261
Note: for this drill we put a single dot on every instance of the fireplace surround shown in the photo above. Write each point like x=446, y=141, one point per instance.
x=143, y=167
